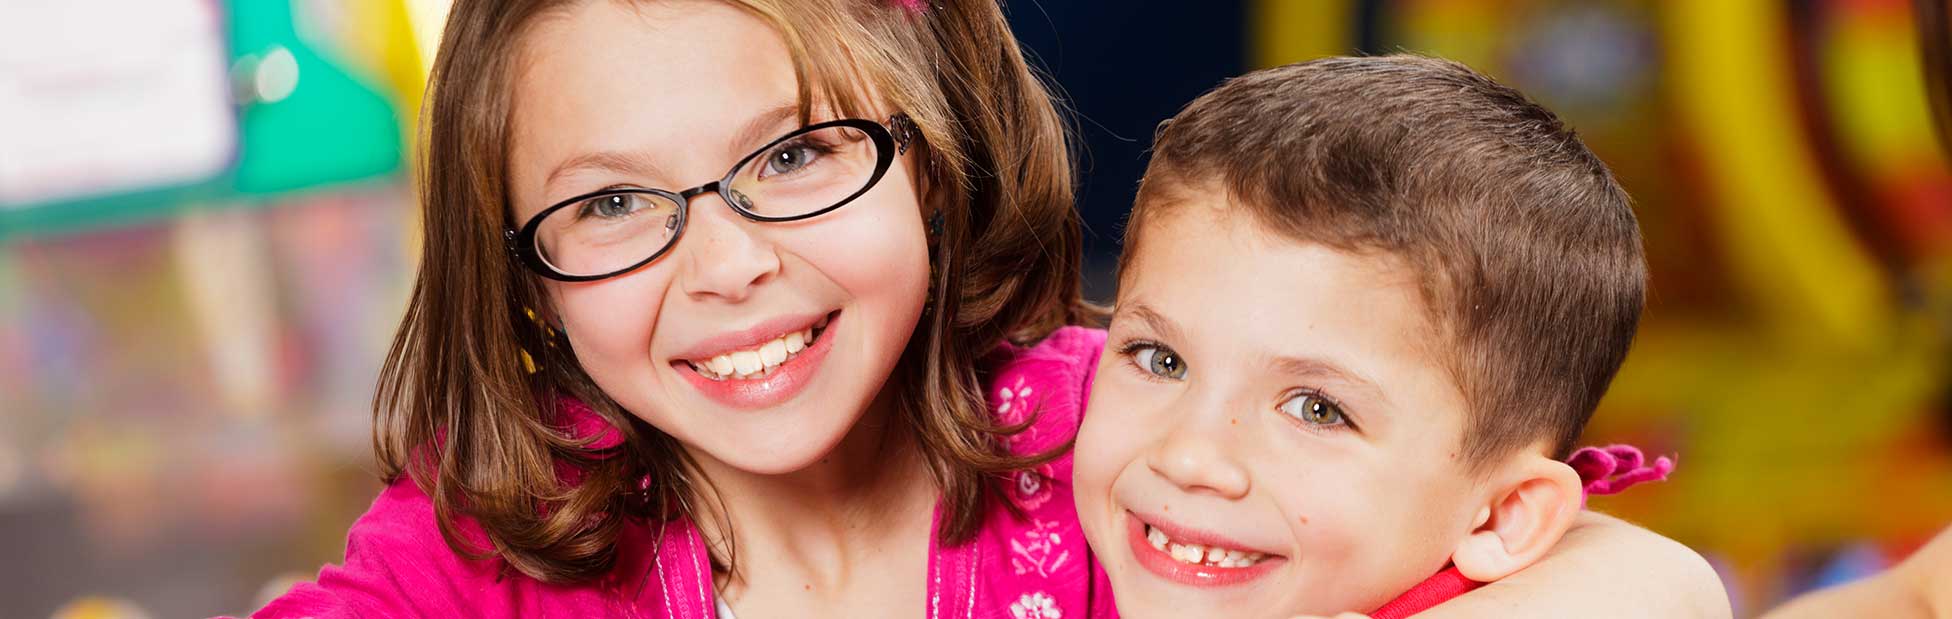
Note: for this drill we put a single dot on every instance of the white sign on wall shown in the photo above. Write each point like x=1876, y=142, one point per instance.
x=107, y=96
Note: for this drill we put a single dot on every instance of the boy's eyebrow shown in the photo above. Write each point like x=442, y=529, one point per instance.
x=636, y=162
x=1309, y=366
x=1156, y=322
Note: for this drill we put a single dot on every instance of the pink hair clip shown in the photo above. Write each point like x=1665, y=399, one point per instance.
x=913, y=6
x=1613, y=468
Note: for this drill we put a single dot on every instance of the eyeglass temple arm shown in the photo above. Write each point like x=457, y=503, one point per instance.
x=904, y=131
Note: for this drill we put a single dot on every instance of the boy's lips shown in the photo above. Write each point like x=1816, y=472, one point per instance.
x=1234, y=563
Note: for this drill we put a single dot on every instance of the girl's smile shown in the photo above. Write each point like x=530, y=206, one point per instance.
x=762, y=366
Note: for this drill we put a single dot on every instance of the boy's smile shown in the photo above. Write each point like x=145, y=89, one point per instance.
x=1279, y=408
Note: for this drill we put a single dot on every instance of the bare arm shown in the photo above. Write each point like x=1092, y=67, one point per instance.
x=1604, y=567
x=1920, y=587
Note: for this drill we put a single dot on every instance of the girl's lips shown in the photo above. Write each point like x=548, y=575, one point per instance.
x=750, y=337
x=784, y=382
x=1165, y=566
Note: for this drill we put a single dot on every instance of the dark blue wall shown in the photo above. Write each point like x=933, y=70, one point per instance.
x=1125, y=66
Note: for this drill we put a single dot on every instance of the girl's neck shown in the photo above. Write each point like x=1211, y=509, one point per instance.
x=864, y=497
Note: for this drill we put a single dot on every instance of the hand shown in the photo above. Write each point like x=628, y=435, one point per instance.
x=1604, y=568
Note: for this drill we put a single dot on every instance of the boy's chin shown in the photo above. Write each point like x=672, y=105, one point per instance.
x=1144, y=596
x=1198, y=605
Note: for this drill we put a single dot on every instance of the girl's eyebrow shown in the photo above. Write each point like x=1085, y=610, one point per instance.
x=631, y=163
x=639, y=163
x=761, y=126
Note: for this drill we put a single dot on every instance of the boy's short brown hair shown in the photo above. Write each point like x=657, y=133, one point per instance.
x=1527, y=250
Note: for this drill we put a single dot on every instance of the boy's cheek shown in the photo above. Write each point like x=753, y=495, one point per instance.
x=1108, y=444
x=1093, y=460
x=1378, y=530
x=1337, y=509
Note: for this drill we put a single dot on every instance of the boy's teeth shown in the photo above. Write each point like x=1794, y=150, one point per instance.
x=1201, y=555
x=757, y=362
x=1189, y=553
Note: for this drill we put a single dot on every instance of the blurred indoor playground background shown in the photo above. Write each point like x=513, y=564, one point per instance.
x=207, y=236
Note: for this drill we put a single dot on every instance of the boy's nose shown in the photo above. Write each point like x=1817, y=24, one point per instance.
x=726, y=255
x=1194, y=455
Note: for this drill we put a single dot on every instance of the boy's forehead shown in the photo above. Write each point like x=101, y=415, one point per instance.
x=1181, y=235
x=1218, y=275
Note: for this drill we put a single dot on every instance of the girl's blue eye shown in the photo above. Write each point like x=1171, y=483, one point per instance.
x=789, y=158
x=613, y=206
x=1160, y=361
x=1314, y=410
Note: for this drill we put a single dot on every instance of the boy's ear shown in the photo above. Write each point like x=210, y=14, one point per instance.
x=1530, y=507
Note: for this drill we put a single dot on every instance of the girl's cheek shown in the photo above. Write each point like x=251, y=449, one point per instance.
x=879, y=252
x=610, y=317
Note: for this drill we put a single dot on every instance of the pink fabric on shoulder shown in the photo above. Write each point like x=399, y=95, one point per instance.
x=1030, y=560
x=397, y=565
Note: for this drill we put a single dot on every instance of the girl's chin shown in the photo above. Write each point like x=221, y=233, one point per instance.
x=768, y=450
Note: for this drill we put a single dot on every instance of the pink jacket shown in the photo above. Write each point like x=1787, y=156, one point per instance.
x=1033, y=567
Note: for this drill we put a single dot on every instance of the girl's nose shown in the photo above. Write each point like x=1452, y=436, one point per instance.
x=726, y=256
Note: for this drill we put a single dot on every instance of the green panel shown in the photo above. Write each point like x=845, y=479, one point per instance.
x=330, y=129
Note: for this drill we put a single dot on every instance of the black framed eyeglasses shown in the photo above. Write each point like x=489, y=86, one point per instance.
x=806, y=173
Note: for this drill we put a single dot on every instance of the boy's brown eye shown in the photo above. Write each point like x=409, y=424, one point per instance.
x=1313, y=410
x=1161, y=362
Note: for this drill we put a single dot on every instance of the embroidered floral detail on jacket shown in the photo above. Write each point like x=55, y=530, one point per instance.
x=1014, y=406
x=1040, y=550
x=1036, y=606
x=1030, y=489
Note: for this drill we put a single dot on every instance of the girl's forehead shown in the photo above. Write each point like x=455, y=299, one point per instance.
x=660, y=84
x=672, y=62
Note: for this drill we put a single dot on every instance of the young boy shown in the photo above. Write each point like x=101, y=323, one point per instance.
x=1365, y=308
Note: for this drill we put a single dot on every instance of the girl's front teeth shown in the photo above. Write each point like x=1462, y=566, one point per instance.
x=757, y=362
x=1196, y=554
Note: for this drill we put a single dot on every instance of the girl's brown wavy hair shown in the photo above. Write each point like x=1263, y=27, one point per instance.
x=457, y=411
